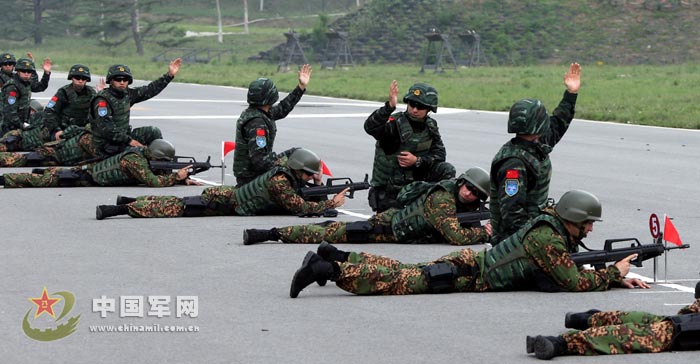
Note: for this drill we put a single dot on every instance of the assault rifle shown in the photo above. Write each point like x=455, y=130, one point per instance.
x=598, y=258
x=180, y=162
x=335, y=185
x=474, y=218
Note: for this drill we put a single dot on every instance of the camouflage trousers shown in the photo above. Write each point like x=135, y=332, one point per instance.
x=53, y=157
x=48, y=178
x=336, y=232
x=219, y=201
x=617, y=332
x=368, y=274
x=23, y=140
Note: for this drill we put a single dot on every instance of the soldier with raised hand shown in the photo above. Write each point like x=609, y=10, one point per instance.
x=110, y=110
x=409, y=146
x=521, y=170
x=16, y=97
x=71, y=103
x=256, y=128
x=619, y=332
x=429, y=218
x=128, y=168
x=276, y=191
x=537, y=257
x=7, y=67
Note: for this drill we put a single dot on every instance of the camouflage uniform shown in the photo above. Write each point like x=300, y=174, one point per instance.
x=110, y=112
x=129, y=168
x=255, y=137
x=68, y=107
x=75, y=149
x=521, y=171
x=16, y=95
x=537, y=258
x=281, y=189
x=26, y=139
x=617, y=332
x=396, y=133
x=436, y=223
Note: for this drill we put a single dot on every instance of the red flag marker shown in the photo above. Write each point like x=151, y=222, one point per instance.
x=325, y=170
x=226, y=147
x=670, y=233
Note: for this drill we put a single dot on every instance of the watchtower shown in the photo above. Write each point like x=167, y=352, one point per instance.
x=292, y=51
x=472, y=54
x=438, y=47
x=337, y=51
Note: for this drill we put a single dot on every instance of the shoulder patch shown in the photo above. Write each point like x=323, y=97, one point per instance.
x=52, y=102
x=102, y=108
x=12, y=97
x=512, y=187
x=260, y=139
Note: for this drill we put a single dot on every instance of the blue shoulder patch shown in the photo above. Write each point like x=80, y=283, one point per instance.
x=102, y=111
x=50, y=104
x=261, y=141
x=512, y=187
x=11, y=100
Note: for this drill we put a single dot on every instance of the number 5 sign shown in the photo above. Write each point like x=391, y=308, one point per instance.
x=654, y=226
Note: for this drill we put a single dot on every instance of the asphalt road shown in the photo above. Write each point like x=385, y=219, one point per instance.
x=50, y=238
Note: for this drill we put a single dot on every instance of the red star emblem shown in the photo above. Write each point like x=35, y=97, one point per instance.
x=44, y=304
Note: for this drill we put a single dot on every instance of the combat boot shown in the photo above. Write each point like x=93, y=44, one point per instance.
x=312, y=269
x=578, y=320
x=546, y=347
x=330, y=253
x=254, y=236
x=2, y=180
x=123, y=200
x=104, y=211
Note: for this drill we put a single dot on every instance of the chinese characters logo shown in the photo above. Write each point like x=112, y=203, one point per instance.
x=47, y=304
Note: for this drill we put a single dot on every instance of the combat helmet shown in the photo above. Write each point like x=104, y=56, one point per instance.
x=579, y=207
x=7, y=58
x=304, y=160
x=36, y=105
x=262, y=92
x=25, y=64
x=423, y=94
x=528, y=116
x=79, y=70
x=161, y=149
x=479, y=178
x=119, y=70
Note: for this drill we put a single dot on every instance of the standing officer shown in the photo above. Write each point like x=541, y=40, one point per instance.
x=619, y=332
x=71, y=103
x=128, y=168
x=110, y=110
x=256, y=128
x=521, y=170
x=535, y=258
x=430, y=218
x=409, y=146
x=273, y=192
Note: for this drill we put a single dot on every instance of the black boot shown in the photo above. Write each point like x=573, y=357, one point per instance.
x=123, y=200
x=697, y=286
x=254, y=236
x=111, y=210
x=313, y=269
x=546, y=347
x=2, y=180
x=331, y=254
x=578, y=320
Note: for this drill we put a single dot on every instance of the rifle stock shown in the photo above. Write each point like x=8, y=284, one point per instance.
x=474, y=218
x=180, y=162
x=332, y=187
x=599, y=258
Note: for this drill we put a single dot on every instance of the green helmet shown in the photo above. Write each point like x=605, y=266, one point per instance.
x=79, y=70
x=579, y=206
x=161, y=149
x=262, y=92
x=479, y=178
x=36, y=105
x=119, y=70
x=25, y=64
x=423, y=94
x=7, y=58
x=304, y=160
x=528, y=116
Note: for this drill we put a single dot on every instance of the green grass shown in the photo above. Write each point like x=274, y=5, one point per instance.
x=647, y=95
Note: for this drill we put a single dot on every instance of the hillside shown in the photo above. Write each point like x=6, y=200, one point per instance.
x=521, y=32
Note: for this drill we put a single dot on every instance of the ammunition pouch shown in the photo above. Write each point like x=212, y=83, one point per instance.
x=112, y=149
x=71, y=178
x=381, y=200
x=194, y=206
x=358, y=231
x=686, y=331
x=35, y=159
x=440, y=277
x=12, y=142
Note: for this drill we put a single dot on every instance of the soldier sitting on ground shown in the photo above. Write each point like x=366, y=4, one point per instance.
x=619, y=332
x=276, y=191
x=30, y=136
x=429, y=218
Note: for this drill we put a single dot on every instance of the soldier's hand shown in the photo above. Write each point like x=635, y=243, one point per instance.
x=393, y=93
x=30, y=56
x=191, y=182
x=572, y=78
x=174, y=67
x=58, y=134
x=634, y=282
x=318, y=179
x=406, y=159
x=339, y=198
x=624, y=265
x=304, y=76
x=135, y=143
x=46, y=65
x=183, y=173
x=101, y=84
x=488, y=229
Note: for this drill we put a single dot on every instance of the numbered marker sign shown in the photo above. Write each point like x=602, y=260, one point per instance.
x=654, y=226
